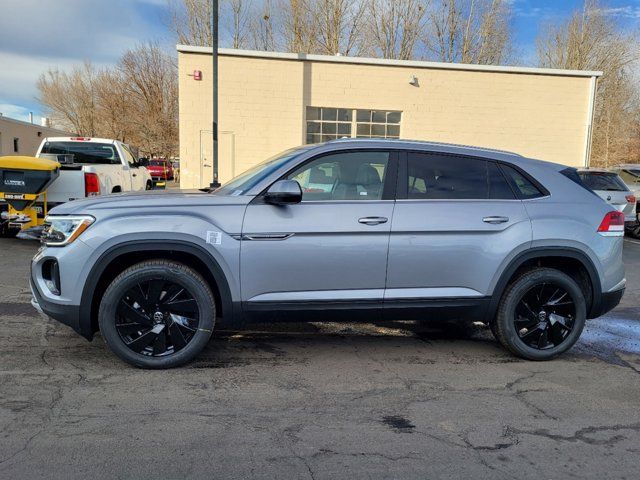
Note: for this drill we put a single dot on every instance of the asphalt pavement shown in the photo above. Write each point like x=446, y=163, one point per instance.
x=318, y=401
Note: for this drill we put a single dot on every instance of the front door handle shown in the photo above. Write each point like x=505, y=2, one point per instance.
x=373, y=220
x=495, y=220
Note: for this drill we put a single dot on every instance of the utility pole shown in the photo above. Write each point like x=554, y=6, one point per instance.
x=214, y=78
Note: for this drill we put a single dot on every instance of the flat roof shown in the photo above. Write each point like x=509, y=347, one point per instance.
x=386, y=62
x=29, y=124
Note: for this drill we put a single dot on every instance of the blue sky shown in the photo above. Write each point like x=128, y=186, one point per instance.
x=38, y=34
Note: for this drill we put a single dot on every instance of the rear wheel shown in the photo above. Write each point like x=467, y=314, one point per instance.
x=157, y=314
x=541, y=314
x=149, y=185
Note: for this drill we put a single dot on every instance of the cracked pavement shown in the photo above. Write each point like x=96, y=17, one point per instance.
x=317, y=401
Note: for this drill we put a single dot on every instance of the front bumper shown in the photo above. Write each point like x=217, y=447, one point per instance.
x=66, y=314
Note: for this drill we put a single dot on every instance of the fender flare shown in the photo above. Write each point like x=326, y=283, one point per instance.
x=115, y=251
x=545, y=252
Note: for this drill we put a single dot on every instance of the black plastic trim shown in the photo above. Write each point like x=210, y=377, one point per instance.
x=66, y=314
x=110, y=255
x=542, y=252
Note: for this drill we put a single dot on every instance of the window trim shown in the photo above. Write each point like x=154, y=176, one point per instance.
x=388, y=187
x=541, y=188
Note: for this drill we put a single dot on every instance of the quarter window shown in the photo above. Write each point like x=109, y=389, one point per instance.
x=440, y=177
x=330, y=123
x=343, y=176
x=521, y=185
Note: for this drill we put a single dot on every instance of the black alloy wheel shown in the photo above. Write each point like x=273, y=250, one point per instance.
x=157, y=317
x=545, y=316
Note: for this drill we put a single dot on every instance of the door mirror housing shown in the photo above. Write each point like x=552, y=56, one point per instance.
x=284, y=192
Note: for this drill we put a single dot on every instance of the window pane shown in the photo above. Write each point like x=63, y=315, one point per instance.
x=393, y=131
x=498, y=186
x=393, y=117
x=379, y=116
x=313, y=127
x=329, y=128
x=522, y=186
x=363, y=115
x=329, y=114
x=344, y=129
x=377, y=130
x=313, y=113
x=603, y=181
x=364, y=130
x=447, y=177
x=344, y=115
x=343, y=176
x=313, y=138
x=327, y=138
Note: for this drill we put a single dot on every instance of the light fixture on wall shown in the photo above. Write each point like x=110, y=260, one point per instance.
x=414, y=81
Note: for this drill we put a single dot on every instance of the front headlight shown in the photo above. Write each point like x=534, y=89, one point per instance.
x=61, y=230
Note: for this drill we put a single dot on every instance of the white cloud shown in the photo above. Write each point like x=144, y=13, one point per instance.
x=627, y=11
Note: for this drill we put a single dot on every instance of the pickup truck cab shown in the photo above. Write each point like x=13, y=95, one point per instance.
x=91, y=167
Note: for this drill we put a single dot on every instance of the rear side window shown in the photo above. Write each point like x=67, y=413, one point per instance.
x=523, y=187
x=609, y=182
x=448, y=177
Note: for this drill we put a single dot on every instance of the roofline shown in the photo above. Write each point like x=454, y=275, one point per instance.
x=35, y=125
x=387, y=62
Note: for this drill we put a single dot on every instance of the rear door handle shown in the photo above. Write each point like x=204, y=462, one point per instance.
x=495, y=220
x=373, y=220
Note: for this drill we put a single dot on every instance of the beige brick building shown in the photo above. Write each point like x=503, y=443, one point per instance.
x=23, y=138
x=273, y=101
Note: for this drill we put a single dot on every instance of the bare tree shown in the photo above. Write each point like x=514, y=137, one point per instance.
x=191, y=21
x=262, y=30
x=339, y=25
x=236, y=16
x=70, y=98
x=469, y=31
x=299, y=26
x=394, y=27
x=590, y=40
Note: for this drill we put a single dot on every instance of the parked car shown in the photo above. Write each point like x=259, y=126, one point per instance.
x=610, y=187
x=630, y=175
x=90, y=167
x=160, y=170
x=350, y=229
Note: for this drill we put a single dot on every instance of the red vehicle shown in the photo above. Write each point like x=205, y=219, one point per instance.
x=160, y=170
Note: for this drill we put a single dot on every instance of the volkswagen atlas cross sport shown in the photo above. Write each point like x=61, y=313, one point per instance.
x=350, y=229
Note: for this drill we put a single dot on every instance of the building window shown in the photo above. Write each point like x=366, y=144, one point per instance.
x=330, y=123
x=16, y=145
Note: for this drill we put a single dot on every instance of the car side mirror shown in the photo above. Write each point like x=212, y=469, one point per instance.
x=284, y=192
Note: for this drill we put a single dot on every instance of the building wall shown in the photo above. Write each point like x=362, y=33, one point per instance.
x=29, y=136
x=263, y=100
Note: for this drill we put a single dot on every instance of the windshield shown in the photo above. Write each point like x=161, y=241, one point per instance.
x=609, y=182
x=158, y=163
x=84, y=152
x=247, y=180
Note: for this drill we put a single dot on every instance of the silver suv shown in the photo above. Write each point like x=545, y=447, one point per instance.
x=355, y=229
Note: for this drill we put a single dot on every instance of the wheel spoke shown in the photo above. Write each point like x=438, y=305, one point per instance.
x=172, y=293
x=543, y=340
x=137, y=296
x=129, y=328
x=160, y=343
x=187, y=307
x=143, y=340
x=177, y=338
x=133, y=314
x=155, y=290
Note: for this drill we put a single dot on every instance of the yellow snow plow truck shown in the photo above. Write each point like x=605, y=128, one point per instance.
x=23, y=181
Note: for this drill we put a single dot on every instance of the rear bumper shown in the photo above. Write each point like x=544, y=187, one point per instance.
x=608, y=301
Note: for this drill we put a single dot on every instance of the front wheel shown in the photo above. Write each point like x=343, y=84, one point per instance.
x=541, y=314
x=157, y=314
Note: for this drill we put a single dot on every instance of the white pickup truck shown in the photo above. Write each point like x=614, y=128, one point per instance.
x=92, y=166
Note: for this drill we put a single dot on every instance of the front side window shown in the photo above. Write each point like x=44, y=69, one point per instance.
x=448, y=177
x=343, y=176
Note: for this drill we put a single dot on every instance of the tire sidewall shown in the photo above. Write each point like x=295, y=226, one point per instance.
x=518, y=289
x=168, y=271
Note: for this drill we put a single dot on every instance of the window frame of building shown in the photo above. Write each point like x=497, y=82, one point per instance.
x=330, y=123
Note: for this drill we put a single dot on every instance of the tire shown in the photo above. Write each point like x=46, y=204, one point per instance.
x=137, y=334
x=521, y=328
x=149, y=186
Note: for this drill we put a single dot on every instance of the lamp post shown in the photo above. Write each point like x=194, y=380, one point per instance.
x=214, y=78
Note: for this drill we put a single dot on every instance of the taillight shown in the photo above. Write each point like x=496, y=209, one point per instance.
x=612, y=225
x=91, y=185
x=630, y=199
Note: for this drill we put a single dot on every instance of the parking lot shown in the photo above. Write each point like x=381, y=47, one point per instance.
x=317, y=401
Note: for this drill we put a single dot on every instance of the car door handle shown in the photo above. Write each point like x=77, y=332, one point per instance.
x=495, y=220
x=373, y=220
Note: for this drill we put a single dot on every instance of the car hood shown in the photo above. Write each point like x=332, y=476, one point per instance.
x=155, y=199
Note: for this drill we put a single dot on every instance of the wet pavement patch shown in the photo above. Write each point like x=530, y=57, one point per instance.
x=398, y=423
x=12, y=309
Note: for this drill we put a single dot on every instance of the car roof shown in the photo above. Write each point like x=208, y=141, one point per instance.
x=596, y=170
